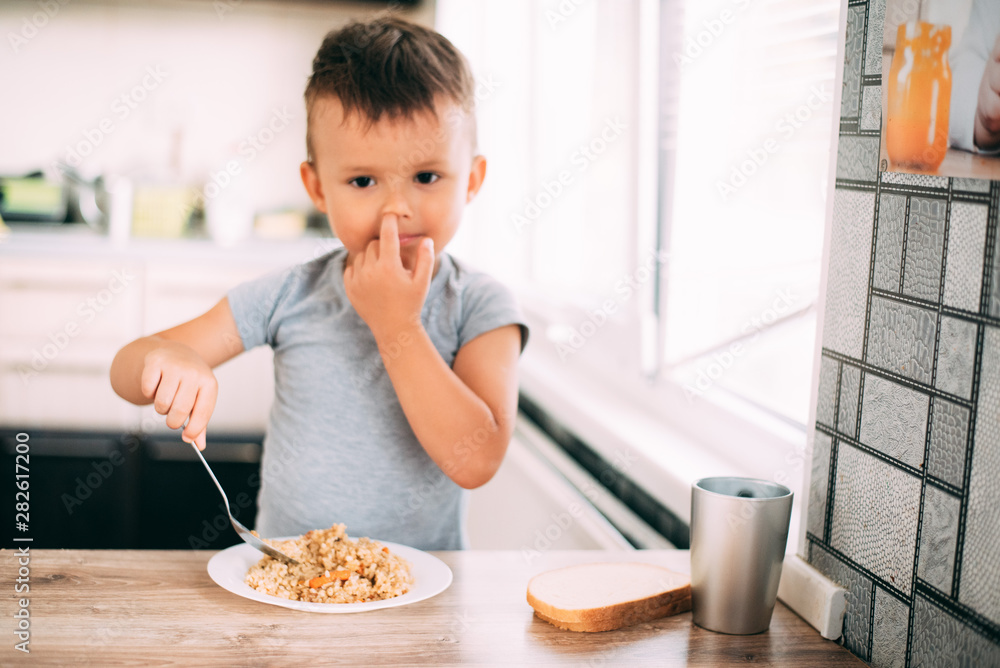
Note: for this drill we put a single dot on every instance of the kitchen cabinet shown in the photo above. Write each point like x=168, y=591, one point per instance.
x=61, y=322
x=79, y=487
x=105, y=490
x=62, y=319
x=98, y=463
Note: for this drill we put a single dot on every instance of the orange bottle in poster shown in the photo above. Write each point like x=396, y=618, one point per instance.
x=916, y=131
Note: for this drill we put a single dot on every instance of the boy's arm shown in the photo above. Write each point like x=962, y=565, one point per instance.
x=172, y=369
x=462, y=415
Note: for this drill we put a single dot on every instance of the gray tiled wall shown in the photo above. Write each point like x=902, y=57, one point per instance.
x=904, y=507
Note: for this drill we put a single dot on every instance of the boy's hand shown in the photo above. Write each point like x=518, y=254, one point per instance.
x=387, y=295
x=182, y=387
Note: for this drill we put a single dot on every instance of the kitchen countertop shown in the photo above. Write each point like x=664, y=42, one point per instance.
x=118, y=607
x=79, y=242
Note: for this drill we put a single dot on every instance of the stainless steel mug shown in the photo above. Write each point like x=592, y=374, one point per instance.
x=739, y=529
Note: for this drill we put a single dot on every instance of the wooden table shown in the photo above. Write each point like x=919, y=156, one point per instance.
x=958, y=163
x=123, y=607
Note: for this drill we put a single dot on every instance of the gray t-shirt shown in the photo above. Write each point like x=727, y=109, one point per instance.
x=338, y=446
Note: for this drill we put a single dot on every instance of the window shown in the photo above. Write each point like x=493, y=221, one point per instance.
x=745, y=229
x=657, y=185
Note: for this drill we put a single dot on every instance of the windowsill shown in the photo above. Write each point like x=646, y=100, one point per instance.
x=643, y=445
x=774, y=366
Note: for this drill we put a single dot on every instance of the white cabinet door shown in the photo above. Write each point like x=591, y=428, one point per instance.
x=60, y=325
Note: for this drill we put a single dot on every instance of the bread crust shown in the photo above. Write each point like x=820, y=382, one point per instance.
x=607, y=618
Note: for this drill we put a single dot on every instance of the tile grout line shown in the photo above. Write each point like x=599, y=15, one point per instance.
x=864, y=352
x=963, y=614
x=857, y=409
x=954, y=609
x=970, y=437
x=887, y=586
x=835, y=442
x=861, y=65
x=871, y=267
x=961, y=314
x=871, y=622
x=896, y=378
x=906, y=231
x=940, y=299
x=832, y=475
x=944, y=485
x=921, y=508
x=933, y=192
x=853, y=184
x=869, y=450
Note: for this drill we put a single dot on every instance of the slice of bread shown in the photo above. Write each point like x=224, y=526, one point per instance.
x=602, y=597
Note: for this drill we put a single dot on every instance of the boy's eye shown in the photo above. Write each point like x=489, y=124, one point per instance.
x=362, y=181
x=427, y=178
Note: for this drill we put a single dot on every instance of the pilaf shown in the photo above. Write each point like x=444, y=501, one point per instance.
x=333, y=568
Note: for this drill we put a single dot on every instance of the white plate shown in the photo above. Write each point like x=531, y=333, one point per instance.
x=431, y=576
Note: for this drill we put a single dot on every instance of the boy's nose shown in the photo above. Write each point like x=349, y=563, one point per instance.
x=396, y=200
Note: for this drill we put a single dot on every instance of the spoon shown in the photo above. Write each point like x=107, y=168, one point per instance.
x=243, y=532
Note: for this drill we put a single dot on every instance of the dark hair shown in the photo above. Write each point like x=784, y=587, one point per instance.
x=387, y=66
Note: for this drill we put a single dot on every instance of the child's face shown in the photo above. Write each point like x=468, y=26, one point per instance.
x=423, y=169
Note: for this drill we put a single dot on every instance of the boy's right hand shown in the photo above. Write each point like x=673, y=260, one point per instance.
x=182, y=387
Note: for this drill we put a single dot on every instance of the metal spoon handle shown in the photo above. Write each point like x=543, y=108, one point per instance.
x=212, y=473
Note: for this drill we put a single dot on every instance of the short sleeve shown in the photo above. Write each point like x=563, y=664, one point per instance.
x=254, y=305
x=488, y=305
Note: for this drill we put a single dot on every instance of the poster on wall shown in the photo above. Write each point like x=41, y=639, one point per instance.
x=941, y=88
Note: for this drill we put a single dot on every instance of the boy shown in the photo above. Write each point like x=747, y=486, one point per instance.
x=395, y=365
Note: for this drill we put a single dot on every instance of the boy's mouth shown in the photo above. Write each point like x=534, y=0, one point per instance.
x=405, y=239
